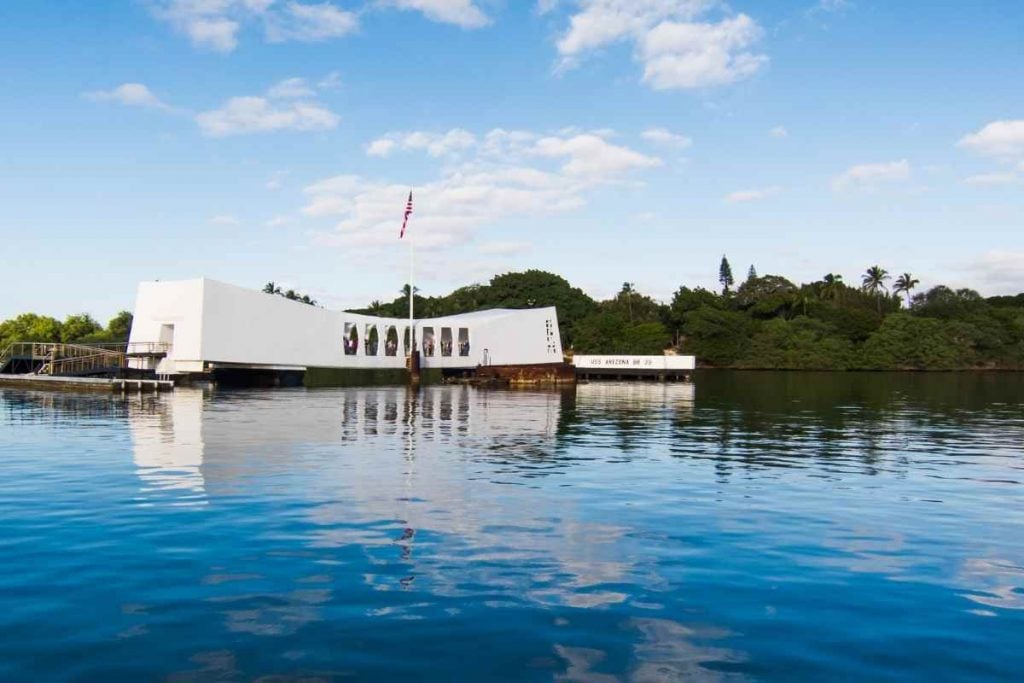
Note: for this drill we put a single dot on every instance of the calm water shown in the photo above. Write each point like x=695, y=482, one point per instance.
x=757, y=526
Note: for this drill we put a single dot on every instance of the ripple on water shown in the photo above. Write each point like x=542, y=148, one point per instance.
x=751, y=526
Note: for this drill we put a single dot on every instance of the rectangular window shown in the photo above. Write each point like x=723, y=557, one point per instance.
x=446, y=341
x=428, y=341
x=372, y=340
x=351, y=340
x=464, y=342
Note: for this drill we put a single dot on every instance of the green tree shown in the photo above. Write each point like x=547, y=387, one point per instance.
x=78, y=328
x=627, y=292
x=120, y=327
x=798, y=344
x=725, y=275
x=904, y=284
x=290, y=294
x=536, y=288
x=909, y=342
x=943, y=302
x=873, y=282
x=832, y=287
x=600, y=333
x=766, y=296
x=29, y=327
x=855, y=323
x=717, y=336
x=646, y=339
x=751, y=273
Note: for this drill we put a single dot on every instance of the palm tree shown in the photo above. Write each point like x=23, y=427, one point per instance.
x=832, y=287
x=873, y=282
x=801, y=299
x=905, y=283
x=628, y=290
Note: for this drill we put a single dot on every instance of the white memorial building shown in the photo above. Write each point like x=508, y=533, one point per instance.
x=203, y=325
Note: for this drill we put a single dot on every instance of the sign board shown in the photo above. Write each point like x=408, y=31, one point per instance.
x=626, y=363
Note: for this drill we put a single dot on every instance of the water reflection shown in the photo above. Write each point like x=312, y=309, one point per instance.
x=167, y=446
x=994, y=583
x=771, y=526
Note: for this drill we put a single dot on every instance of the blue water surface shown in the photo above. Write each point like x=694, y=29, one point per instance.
x=753, y=526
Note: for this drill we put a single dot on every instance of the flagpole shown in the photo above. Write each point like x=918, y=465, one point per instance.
x=412, y=289
x=414, y=356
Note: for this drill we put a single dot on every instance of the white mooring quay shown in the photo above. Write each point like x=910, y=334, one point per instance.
x=664, y=368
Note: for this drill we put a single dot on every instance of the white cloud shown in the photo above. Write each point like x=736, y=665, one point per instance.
x=779, y=132
x=309, y=23
x=216, y=24
x=868, y=175
x=224, y=221
x=676, y=51
x=997, y=139
x=499, y=175
x=289, y=104
x=217, y=34
x=205, y=22
x=291, y=88
x=598, y=23
x=662, y=136
x=435, y=144
x=547, y=6
x=130, y=94
x=463, y=13
x=755, y=195
x=590, y=155
x=243, y=115
x=694, y=55
x=993, y=179
x=381, y=147
x=1000, y=271
x=439, y=145
x=585, y=153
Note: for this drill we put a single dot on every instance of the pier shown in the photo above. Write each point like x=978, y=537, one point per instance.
x=124, y=386
x=651, y=368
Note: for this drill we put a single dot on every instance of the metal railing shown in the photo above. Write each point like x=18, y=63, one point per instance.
x=135, y=348
x=83, y=365
x=65, y=359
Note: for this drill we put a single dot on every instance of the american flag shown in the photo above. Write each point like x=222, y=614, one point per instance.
x=408, y=212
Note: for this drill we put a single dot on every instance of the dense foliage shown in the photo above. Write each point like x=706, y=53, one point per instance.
x=768, y=322
x=76, y=329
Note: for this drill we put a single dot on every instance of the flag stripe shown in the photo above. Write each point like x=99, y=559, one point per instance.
x=408, y=212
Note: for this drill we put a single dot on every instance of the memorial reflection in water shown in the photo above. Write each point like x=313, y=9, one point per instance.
x=376, y=467
x=765, y=525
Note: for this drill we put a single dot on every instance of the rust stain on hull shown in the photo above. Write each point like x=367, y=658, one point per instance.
x=523, y=375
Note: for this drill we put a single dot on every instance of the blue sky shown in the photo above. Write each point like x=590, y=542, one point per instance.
x=606, y=140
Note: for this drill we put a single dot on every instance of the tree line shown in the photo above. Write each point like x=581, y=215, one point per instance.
x=767, y=321
x=80, y=328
